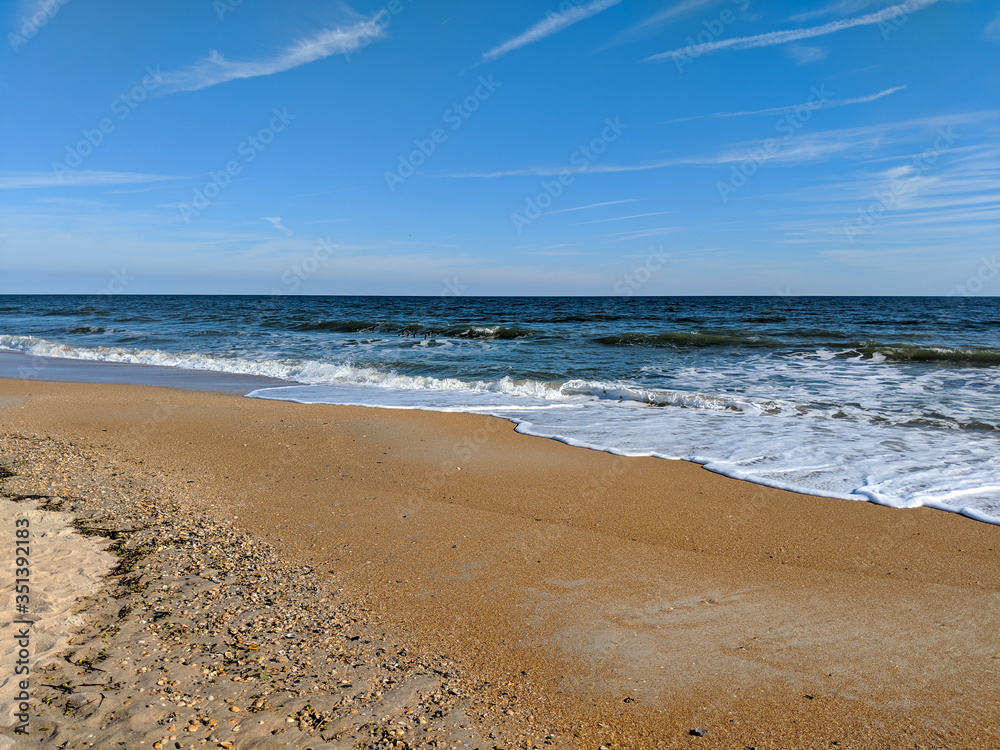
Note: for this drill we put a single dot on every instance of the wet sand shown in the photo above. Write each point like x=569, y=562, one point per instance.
x=584, y=597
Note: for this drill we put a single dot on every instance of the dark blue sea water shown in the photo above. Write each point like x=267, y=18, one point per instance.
x=893, y=400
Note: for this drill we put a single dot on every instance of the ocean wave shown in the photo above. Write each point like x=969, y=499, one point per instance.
x=294, y=370
x=467, y=331
x=684, y=339
x=817, y=333
x=319, y=372
x=897, y=353
x=340, y=326
x=587, y=318
x=326, y=373
x=77, y=311
x=489, y=333
x=663, y=397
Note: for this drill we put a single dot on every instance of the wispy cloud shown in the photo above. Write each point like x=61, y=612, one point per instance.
x=839, y=8
x=23, y=180
x=561, y=170
x=646, y=25
x=827, y=104
x=803, y=55
x=673, y=11
x=216, y=69
x=951, y=202
x=852, y=143
x=642, y=233
x=623, y=218
x=592, y=205
x=793, y=35
x=551, y=24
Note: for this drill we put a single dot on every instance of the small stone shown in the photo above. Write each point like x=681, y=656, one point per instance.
x=699, y=732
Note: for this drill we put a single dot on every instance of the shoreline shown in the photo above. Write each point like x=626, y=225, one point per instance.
x=16, y=365
x=640, y=597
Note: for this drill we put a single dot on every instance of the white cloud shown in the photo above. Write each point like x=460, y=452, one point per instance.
x=623, y=218
x=853, y=143
x=551, y=24
x=793, y=35
x=675, y=10
x=646, y=25
x=839, y=8
x=803, y=55
x=216, y=69
x=827, y=104
x=592, y=205
x=641, y=234
x=556, y=171
x=69, y=178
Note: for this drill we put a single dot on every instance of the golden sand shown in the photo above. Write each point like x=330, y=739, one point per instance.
x=596, y=598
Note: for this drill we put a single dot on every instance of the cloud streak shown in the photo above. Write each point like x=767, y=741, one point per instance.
x=852, y=143
x=30, y=180
x=623, y=218
x=216, y=69
x=649, y=23
x=793, y=35
x=592, y=205
x=827, y=104
x=551, y=24
x=840, y=8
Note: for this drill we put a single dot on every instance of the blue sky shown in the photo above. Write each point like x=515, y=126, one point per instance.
x=500, y=147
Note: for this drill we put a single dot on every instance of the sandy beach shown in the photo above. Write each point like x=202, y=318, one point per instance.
x=478, y=587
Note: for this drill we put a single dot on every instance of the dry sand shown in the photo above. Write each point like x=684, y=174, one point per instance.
x=582, y=599
x=63, y=568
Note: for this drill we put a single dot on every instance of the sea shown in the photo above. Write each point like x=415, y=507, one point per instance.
x=891, y=400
